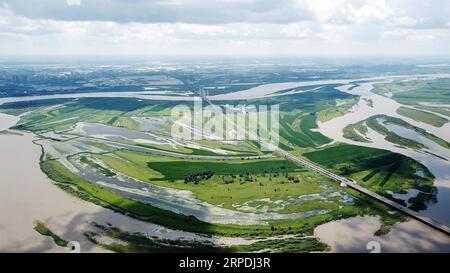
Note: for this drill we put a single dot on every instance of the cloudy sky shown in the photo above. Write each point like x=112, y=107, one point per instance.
x=225, y=27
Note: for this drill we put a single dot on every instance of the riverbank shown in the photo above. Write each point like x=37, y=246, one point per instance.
x=439, y=167
x=353, y=234
x=28, y=195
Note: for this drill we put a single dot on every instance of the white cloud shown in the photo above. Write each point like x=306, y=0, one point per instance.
x=73, y=2
x=240, y=27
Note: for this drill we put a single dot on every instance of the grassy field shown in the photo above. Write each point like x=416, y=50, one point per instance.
x=233, y=182
x=342, y=107
x=394, y=138
x=61, y=114
x=101, y=196
x=435, y=91
x=374, y=123
x=415, y=91
x=139, y=243
x=356, y=132
x=421, y=131
x=422, y=116
x=44, y=230
x=438, y=110
x=296, y=130
x=379, y=170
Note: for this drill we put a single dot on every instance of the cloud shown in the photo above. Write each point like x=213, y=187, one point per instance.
x=73, y=2
x=161, y=11
x=223, y=26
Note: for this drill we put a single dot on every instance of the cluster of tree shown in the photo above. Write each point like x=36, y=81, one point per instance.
x=293, y=179
x=345, y=170
x=248, y=177
x=197, y=177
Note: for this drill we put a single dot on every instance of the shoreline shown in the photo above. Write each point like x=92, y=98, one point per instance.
x=26, y=197
x=353, y=234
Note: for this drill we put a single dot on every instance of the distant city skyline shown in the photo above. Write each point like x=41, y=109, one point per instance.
x=225, y=27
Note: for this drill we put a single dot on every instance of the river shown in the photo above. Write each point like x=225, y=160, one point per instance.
x=387, y=106
x=25, y=195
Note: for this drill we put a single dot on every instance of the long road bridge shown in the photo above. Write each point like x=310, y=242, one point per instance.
x=343, y=180
x=353, y=185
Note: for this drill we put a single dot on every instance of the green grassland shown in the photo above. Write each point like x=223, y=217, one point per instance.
x=356, y=131
x=390, y=136
x=299, y=114
x=342, y=107
x=437, y=110
x=96, y=166
x=138, y=243
x=422, y=116
x=42, y=229
x=421, y=131
x=435, y=91
x=373, y=123
x=296, y=131
x=21, y=107
x=101, y=196
x=108, y=111
x=379, y=170
x=233, y=182
x=415, y=91
x=118, y=112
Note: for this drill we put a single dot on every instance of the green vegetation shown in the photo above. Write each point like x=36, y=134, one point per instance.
x=414, y=92
x=97, y=166
x=435, y=109
x=99, y=195
x=435, y=91
x=341, y=107
x=138, y=243
x=296, y=129
x=232, y=183
x=247, y=185
x=422, y=116
x=421, y=131
x=379, y=170
x=44, y=230
x=48, y=115
x=374, y=123
x=356, y=132
x=245, y=152
x=21, y=107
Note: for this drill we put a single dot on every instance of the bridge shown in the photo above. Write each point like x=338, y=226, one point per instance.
x=353, y=185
